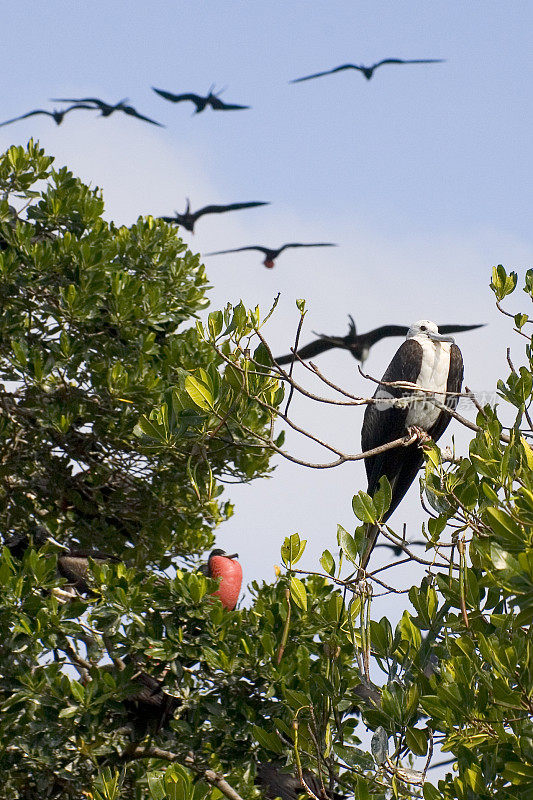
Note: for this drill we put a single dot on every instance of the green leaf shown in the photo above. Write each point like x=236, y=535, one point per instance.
x=298, y=593
x=328, y=562
x=270, y=741
x=379, y=745
x=199, y=393
x=348, y=545
x=364, y=508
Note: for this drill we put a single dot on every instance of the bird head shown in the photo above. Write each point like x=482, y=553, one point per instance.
x=228, y=569
x=424, y=327
x=269, y=263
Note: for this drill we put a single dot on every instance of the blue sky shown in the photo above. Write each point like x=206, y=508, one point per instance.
x=422, y=176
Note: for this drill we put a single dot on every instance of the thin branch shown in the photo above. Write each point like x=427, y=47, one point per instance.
x=297, y=339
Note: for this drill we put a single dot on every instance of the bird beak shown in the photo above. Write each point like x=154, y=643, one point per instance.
x=440, y=337
x=233, y=555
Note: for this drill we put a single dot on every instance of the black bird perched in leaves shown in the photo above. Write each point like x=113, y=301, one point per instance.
x=148, y=705
x=429, y=359
x=274, y=782
x=189, y=218
x=200, y=102
x=369, y=71
x=270, y=253
x=106, y=109
x=359, y=344
x=57, y=116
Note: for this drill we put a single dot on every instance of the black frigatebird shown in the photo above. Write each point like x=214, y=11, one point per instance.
x=433, y=361
x=275, y=782
x=369, y=71
x=148, y=705
x=200, y=102
x=397, y=549
x=106, y=109
x=56, y=115
x=359, y=344
x=227, y=568
x=270, y=253
x=189, y=218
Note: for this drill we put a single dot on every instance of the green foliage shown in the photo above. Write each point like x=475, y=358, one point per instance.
x=119, y=419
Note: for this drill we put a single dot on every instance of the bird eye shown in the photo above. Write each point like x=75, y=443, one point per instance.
x=423, y=328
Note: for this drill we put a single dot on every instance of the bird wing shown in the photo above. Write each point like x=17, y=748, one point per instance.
x=455, y=381
x=326, y=72
x=219, y=105
x=264, y=250
x=314, y=244
x=231, y=207
x=178, y=98
x=95, y=100
x=29, y=114
x=459, y=328
x=132, y=112
x=383, y=332
x=408, y=61
x=312, y=349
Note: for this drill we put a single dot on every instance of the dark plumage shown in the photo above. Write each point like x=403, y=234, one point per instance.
x=189, y=218
x=270, y=253
x=149, y=706
x=200, y=102
x=424, y=349
x=56, y=115
x=359, y=344
x=106, y=109
x=369, y=71
x=275, y=782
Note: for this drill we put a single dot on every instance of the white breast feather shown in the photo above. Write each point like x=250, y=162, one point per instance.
x=433, y=375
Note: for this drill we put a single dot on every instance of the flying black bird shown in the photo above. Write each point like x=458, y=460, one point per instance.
x=188, y=219
x=369, y=71
x=396, y=549
x=227, y=568
x=106, y=109
x=274, y=782
x=433, y=361
x=359, y=344
x=270, y=253
x=200, y=102
x=57, y=116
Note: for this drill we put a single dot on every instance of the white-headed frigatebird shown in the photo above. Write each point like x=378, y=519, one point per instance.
x=271, y=253
x=189, y=218
x=359, y=344
x=430, y=360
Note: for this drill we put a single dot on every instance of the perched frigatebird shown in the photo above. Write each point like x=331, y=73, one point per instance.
x=56, y=115
x=200, y=102
x=148, y=705
x=270, y=253
x=275, y=782
x=369, y=71
x=359, y=344
x=227, y=568
x=188, y=219
x=106, y=109
x=430, y=360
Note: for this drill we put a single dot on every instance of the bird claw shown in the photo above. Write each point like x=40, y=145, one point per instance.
x=422, y=436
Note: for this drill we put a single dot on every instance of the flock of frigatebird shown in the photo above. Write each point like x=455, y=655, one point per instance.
x=429, y=358
x=201, y=102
